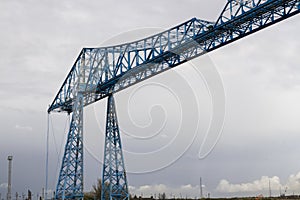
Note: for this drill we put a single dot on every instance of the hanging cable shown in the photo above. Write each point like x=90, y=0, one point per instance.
x=47, y=156
x=64, y=138
x=54, y=138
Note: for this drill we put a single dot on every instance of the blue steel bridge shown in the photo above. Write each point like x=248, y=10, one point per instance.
x=100, y=72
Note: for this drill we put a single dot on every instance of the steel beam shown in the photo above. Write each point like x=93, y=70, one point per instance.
x=70, y=181
x=114, y=68
x=114, y=181
x=100, y=72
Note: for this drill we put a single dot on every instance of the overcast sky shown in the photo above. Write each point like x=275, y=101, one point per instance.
x=165, y=121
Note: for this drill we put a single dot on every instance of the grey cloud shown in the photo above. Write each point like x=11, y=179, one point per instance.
x=23, y=128
x=41, y=39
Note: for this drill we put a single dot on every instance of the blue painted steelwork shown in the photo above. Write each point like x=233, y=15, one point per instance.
x=111, y=69
x=114, y=181
x=100, y=72
x=70, y=182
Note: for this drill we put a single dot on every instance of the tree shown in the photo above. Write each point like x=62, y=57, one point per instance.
x=97, y=189
x=162, y=196
x=95, y=193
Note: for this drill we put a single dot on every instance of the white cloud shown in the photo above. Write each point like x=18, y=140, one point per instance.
x=3, y=185
x=292, y=184
x=37, y=52
x=23, y=128
x=152, y=190
x=257, y=185
x=187, y=187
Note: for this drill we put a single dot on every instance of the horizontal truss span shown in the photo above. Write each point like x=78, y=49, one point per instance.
x=98, y=72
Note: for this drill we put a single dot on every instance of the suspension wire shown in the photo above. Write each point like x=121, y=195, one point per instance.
x=89, y=151
x=92, y=155
x=66, y=130
x=50, y=126
x=54, y=138
x=47, y=156
x=59, y=152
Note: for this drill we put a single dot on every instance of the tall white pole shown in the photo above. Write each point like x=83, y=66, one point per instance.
x=201, y=192
x=9, y=158
x=47, y=157
x=270, y=193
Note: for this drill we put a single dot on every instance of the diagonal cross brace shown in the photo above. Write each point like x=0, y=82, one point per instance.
x=114, y=181
x=70, y=181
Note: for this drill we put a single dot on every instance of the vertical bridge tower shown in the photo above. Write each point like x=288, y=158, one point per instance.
x=114, y=182
x=100, y=72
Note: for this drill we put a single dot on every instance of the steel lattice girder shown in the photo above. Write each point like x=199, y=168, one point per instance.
x=70, y=182
x=114, y=181
x=99, y=72
x=111, y=69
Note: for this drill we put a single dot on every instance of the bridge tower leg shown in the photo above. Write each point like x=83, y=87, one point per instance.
x=114, y=181
x=70, y=181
